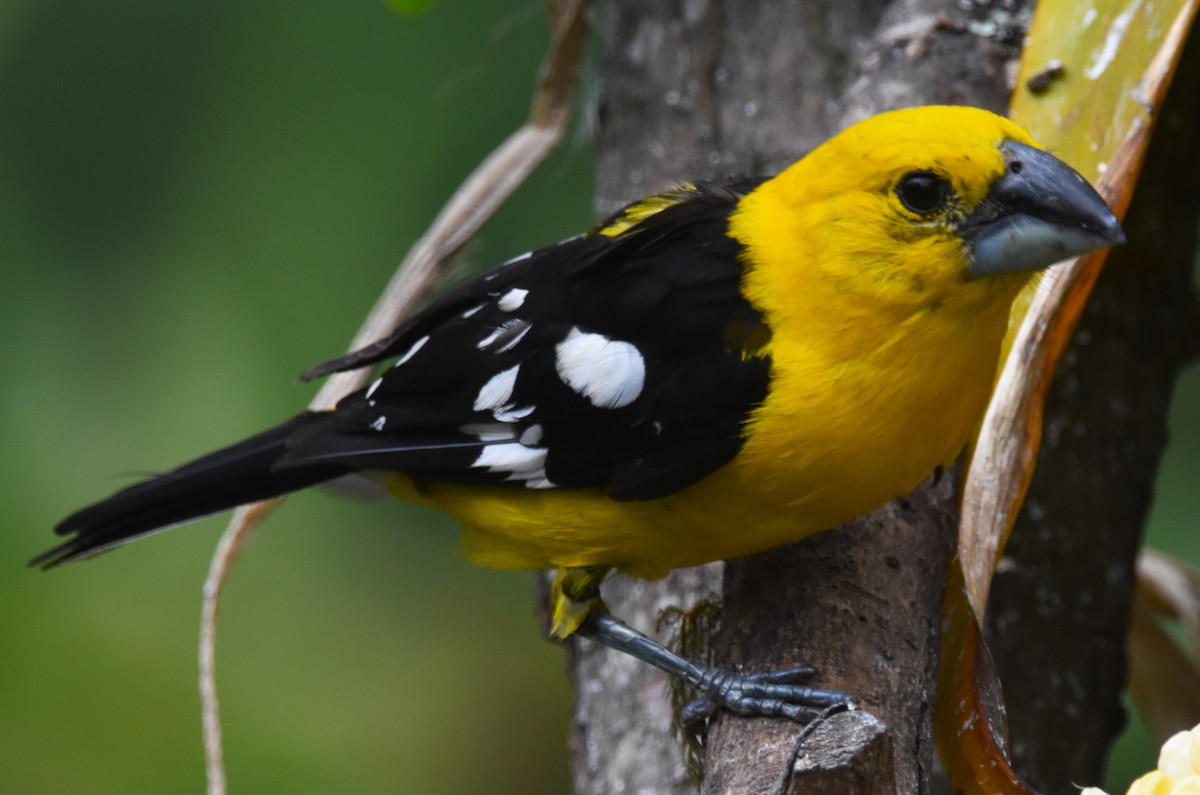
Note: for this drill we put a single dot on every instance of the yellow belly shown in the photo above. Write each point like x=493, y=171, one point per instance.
x=851, y=435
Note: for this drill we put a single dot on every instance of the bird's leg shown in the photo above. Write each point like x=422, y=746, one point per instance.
x=770, y=694
x=574, y=595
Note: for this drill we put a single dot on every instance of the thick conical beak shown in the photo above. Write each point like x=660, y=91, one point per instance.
x=1039, y=213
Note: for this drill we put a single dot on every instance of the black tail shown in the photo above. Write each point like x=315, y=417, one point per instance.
x=236, y=475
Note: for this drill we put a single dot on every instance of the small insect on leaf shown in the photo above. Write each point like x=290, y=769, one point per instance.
x=1041, y=81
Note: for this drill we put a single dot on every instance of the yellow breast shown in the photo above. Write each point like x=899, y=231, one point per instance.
x=835, y=438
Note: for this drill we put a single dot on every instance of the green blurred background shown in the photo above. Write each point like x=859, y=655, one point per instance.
x=197, y=202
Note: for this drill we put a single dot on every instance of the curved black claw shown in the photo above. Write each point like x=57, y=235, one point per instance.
x=776, y=694
x=769, y=694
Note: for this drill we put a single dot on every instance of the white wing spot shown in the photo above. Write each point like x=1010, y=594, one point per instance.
x=540, y=483
x=490, y=338
x=472, y=311
x=506, y=336
x=488, y=432
x=373, y=387
x=416, y=346
x=510, y=413
x=609, y=373
x=516, y=338
x=519, y=461
x=496, y=392
x=512, y=300
x=531, y=435
x=378, y=424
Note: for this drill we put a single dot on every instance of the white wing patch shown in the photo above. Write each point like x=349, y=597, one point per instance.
x=519, y=460
x=496, y=392
x=416, y=346
x=531, y=435
x=514, y=332
x=609, y=373
x=488, y=432
x=512, y=457
x=412, y=351
x=516, y=461
x=505, y=336
x=512, y=300
x=511, y=413
x=492, y=336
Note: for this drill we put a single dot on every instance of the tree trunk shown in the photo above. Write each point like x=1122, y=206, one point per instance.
x=694, y=89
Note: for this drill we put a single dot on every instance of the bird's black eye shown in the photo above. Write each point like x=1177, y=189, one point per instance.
x=923, y=192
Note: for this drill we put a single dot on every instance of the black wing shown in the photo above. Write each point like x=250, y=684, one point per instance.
x=626, y=359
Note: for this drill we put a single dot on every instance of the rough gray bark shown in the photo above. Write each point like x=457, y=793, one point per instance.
x=693, y=89
x=862, y=604
x=704, y=88
x=849, y=752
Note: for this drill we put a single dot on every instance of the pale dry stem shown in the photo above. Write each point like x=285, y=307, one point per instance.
x=492, y=182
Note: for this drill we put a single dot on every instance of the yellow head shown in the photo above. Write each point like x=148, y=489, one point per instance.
x=932, y=208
